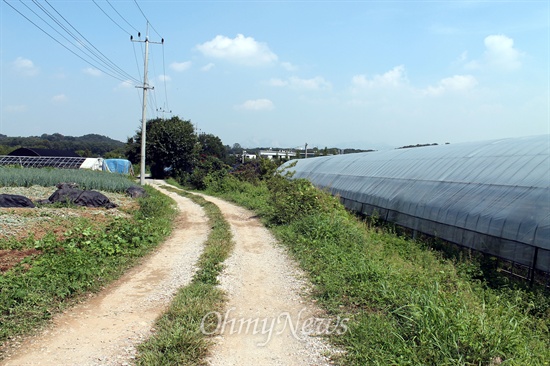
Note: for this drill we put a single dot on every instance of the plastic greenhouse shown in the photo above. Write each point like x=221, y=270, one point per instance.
x=492, y=196
x=121, y=166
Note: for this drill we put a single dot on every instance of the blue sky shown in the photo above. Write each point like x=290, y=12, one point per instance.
x=363, y=74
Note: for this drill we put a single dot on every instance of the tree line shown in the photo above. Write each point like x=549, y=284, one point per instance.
x=173, y=149
x=91, y=145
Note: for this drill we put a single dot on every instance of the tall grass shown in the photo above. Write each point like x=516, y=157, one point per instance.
x=407, y=304
x=46, y=177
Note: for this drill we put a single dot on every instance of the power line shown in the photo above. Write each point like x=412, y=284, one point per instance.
x=61, y=44
x=103, y=59
x=163, y=58
x=145, y=87
x=108, y=16
x=142, y=13
x=153, y=60
x=137, y=63
x=164, y=77
x=131, y=26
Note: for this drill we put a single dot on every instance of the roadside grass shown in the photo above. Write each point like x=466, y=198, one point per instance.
x=407, y=304
x=181, y=333
x=87, y=257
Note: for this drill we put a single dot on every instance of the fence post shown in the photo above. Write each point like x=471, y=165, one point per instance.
x=533, y=266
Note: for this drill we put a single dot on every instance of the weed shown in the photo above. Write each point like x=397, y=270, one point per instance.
x=86, y=258
x=407, y=304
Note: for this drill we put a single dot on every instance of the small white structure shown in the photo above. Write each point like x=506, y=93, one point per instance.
x=281, y=154
x=92, y=164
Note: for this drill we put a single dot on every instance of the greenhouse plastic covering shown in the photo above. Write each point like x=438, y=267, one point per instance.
x=492, y=196
x=121, y=166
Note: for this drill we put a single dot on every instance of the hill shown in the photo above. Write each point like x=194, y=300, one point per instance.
x=90, y=145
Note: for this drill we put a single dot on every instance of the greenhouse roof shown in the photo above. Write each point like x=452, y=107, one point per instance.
x=493, y=196
x=42, y=161
x=31, y=151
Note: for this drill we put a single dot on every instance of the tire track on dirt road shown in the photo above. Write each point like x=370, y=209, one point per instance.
x=263, y=284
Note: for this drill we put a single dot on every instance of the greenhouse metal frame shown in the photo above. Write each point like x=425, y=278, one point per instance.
x=42, y=161
x=493, y=196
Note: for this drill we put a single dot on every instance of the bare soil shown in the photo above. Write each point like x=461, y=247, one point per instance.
x=9, y=258
x=262, y=283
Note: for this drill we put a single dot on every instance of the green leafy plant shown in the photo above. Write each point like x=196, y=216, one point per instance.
x=87, y=257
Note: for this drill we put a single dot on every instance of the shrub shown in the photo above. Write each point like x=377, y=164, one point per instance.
x=291, y=200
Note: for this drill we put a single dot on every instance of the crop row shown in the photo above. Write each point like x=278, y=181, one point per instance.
x=86, y=179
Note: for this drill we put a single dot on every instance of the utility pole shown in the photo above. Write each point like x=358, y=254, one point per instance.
x=305, y=151
x=144, y=108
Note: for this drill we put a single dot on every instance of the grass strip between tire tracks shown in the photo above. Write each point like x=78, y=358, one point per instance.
x=178, y=339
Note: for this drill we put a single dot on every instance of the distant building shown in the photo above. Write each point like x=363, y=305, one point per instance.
x=281, y=154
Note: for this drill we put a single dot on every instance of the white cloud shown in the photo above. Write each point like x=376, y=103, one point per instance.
x=208, y=67
x=499, y=54
x=256, y=105
x=277, y=82
x=242, y=50
x=288, y=66
x=316, y=83
x=25, y=67
x=180, y=66
x=92, y=71
x=394, y=78
x=163, y=78
x=456, y=83
x=60, y=98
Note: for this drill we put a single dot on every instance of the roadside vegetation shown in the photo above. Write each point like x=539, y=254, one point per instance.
x=179, y=339
x=78, y=254
x=407, y=303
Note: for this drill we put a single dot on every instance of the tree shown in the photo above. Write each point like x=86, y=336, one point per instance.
x=172, y=146
x=237, y=149
x=212, y=146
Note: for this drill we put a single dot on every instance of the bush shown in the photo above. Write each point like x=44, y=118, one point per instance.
x=208, y=166
x=291, y=200
x=254, y=171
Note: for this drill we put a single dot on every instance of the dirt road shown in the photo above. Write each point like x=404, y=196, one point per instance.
x=263, y=285
x=266, y=313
